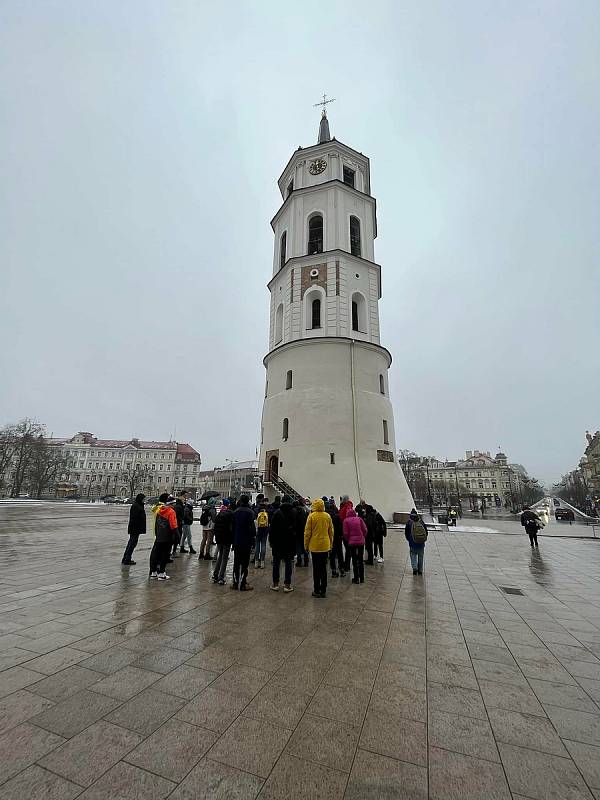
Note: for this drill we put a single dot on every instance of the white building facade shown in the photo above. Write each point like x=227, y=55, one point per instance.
x=328, y=424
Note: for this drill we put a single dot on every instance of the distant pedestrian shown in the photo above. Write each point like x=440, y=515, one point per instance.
x=282, y=538
x=243, y=539
x=318, y=541
x=355, y=534
x=416, y=535
x=207, y=520
x=136, y=527
x=377, y=530
x=262, y=534
x=223, y=532
x=532, y=524
x=336, y=556
x=165, y=528
x=186, y=527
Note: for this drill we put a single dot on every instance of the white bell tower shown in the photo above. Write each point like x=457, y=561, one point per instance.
x=328, y=424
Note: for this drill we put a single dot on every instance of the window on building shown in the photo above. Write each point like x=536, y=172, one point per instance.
x=381, y=385
x=468, y=485
x=290, y=188
x=355, y=236
x=349, y=176
x=315, y=234
x=359, y=313
x=315, y=313
x=285, y=429
x=494, y=486
x=266, y=388
x=386, y=437
x=480, y=484
x=479, y=474
x=288, y=379
x=332, y=458
x=282, y=250
x=279, y=323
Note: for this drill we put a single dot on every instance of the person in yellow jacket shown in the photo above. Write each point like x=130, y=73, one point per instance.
x=318, y=540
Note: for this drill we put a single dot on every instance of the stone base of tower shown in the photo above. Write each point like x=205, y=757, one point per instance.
x=328, y=425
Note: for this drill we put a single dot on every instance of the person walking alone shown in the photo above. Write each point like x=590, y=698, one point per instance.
x=165, y=529
x=355, y=533
x=243, y=539
x=318, y=541
x=416, y=535
x=224, y=537
x=136, y=527
x=186, y=527
x=532, y=524
x=282, y=538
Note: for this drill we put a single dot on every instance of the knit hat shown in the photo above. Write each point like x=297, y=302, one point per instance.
x=226, y=503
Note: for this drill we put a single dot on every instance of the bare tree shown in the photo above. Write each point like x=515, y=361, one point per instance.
x=7, y=448
x=135, y=476
x=26, y=433
x=46, y=463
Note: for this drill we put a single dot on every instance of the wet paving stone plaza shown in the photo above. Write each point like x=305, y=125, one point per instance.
x=478, y=680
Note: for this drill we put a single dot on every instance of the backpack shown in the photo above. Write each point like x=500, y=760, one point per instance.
x=162, y=529
x=205, y=517
x=418, y=531
x=188, y=515
x=262, y=519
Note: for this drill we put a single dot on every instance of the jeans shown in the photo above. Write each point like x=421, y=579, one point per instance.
x=159, y=556
x=358, y=565
x=186, y=535
x=336, y=556
x=301, y=552
x=533, y=538
x=289, y=566
x=416, y=559
x=319, y=561
x=260, y=550
x=131, y=545
x=241, y=560
x=222, y=559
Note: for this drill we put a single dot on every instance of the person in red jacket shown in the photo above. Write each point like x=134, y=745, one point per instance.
x=355, y=532
x=165, y=529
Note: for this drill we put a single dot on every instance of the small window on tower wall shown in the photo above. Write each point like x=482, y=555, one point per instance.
x=386, y=438
x=285, y=428
x=349, y=176
x=282, y=250
x=288, y=379
x=290, y=188
x=332, y=458
x=381, y=385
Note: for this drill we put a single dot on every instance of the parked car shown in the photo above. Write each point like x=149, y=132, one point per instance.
x=109, y=498
x=120, y=500
x=564, y=513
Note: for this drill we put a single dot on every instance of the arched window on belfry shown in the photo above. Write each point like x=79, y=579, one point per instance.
x=315, y=234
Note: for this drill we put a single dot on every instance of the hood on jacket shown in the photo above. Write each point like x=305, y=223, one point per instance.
x=414, y=515
x=157, y=508
x=318, y=505
x=139, y=498
x=351, y=513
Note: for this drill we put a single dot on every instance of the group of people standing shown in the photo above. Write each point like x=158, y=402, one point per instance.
x=330, y=536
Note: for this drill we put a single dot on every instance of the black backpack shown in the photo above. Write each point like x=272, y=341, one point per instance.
x=188, y=515
x=205, y=517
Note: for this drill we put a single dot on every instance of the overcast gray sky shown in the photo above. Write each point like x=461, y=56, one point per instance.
x=140, y=143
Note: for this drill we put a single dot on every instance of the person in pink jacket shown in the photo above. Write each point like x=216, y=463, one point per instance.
x=355, y=532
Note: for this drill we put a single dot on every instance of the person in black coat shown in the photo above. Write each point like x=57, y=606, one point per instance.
x=244, y=532
x=532, y=524
x=223, y=532
x=336, y=556
x=282, y=538
x=136, y=526
x=377, y=529
x=179, y=511
x=300, y=515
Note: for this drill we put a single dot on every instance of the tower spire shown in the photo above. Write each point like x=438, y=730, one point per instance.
x=324, y=135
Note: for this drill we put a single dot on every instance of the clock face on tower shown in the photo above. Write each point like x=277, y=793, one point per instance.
x=317, y=166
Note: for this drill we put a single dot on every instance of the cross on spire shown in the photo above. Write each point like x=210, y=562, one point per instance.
x=324, y=102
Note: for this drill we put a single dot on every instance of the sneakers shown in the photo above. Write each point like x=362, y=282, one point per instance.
x=221, y=582
x=275, y=587
x=162, y=576
x=153, y=575
x=380, y=560
x=246, y=588
x=287, y=589
x=214, y=579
